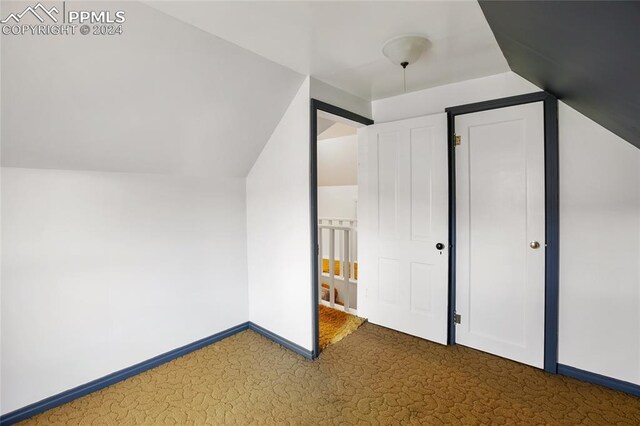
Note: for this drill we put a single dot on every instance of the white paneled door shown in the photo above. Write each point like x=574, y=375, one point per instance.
x=500, y=221
x=404, y=226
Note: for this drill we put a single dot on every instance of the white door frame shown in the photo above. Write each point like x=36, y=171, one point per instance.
x=551, y=211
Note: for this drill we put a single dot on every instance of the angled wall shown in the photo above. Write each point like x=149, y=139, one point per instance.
x=599, y=249
x=163, y=97
x=123, y=195
x=278, y=228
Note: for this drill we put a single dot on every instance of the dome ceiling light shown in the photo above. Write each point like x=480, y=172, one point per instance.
x=404, y=50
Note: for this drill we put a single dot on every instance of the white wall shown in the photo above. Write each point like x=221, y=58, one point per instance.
x=338, y=201
x=126, y=257
x=338, y=161
x=599, y=226
x=278, y=228
x=1, y=397
x=599, y=249
x=104, y=270
x=435, y=100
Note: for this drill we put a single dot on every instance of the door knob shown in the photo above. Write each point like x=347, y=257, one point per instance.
x=534, y=245
x=440, y=246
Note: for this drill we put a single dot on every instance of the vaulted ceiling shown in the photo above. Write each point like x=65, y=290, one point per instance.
x=585, y=52
x=163, y=97
x=198, y=87
x=341, y=42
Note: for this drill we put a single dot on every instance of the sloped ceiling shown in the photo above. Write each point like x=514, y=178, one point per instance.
x=340, y=43
x=586, y=53
x=337, y=130
x=196, y=88
x=164, y=97
x=323, y=124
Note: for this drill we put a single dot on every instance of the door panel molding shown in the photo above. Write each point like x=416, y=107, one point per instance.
x=500, y=209
x=402, y=217
x=551, y=165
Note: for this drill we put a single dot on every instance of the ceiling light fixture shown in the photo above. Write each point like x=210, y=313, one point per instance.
x=404, y=50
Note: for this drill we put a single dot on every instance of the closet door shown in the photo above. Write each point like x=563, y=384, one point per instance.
x=500, y=231
x=404, y=226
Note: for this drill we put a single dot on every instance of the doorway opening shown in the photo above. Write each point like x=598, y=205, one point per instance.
x=334, y=222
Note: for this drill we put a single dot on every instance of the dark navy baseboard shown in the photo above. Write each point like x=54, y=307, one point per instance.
x=281, y=341
x=82, y=390
x=598, y=379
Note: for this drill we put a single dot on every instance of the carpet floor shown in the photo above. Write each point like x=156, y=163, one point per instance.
x=373, y=376
x=335, y=325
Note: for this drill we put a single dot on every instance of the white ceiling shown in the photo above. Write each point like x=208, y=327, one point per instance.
x=340, y=43
x=164, y=97
x=199, y=89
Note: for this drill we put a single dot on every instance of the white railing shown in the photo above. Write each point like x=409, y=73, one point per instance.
x=338, y=236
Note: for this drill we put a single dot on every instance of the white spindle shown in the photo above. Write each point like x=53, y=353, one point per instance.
x=352, y=256
x=345, y=271
x=332, y=261
x=320, y=258
x=346, y=255
x=342, y=253
x=341, y=245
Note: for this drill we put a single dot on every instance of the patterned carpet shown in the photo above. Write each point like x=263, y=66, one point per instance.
x=335, y=325
x=374, y=376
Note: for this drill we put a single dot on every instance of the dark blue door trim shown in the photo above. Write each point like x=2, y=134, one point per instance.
x=316, y=106
x=552, y=206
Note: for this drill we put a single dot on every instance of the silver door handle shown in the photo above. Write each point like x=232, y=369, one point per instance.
x=534, y=245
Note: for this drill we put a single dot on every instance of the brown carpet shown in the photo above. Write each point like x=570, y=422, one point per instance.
x=335, y=325
x=374, y=376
